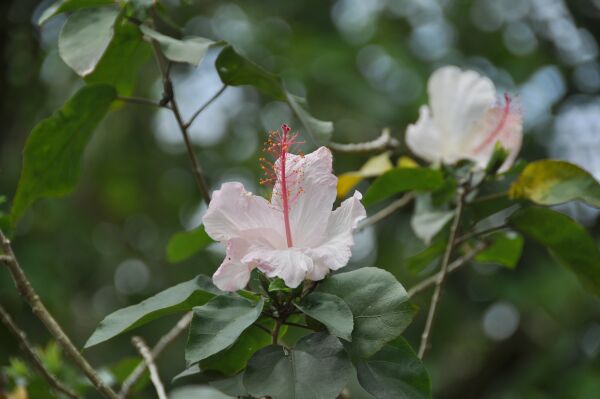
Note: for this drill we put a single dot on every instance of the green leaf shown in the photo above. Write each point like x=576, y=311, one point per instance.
x=70, y=5
x=378, y=303
x=236, y=70
x=400, y=180
x=184, y=244
x=395, y=372
x=218, y=324
x=330, y=310
x=427, y=220
x=190, y=50
x=550, y=182
x=180, y=298
x=565, y=239
x=85, y=37
x=53, y=150
x=233, y=386
x=423, y=259
x=234, y=359
x=505, y=250
x=121, y=62
x=317, y=368
x=197, y=392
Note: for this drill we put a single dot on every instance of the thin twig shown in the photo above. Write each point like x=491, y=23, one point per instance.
x=206, y=104
x=275, y=333
x=289, y=323
x=144, y=351
x=441, y=277
x=39, y=309
x=385, y=212
x=473, y=234
x=34, y=358
x=265, y=329
x=384, y=142
x=431, y=281
x=162, y=343
x=142, y=101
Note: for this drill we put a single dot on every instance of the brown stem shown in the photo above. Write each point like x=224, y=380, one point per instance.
x=162, y=343
x=39, y=309
x=289, y=323
x=34, y=358
x=275, y=333
x=141, y=101
x=144, y=351
x=206, y=104
x=441, y=277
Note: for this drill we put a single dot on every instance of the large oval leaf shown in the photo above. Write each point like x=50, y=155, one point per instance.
x=70, y=5
x=565, y=239
x=53, y=150
x=189, y=49
x=180, y=298
x=400, y=180
x=330, y=310
x=551, y=182
x=85, y=37
x=395, y=372
x=184, y=244
x=317, y=368
x=218, y=324
x=378, y=303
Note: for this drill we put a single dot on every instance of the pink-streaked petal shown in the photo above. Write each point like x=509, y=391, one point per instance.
x=311, y=192
x=234, y=212
x=335, y=252
x=233, y=275
x=291, y=265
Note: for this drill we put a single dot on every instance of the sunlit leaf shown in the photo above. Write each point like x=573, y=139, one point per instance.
x=53, y=150
x=565, y=239
x=70, y=5
x=400, y=180
x=185, y=244
x=180, y=298
x=428, y=220
x=319, y=130
x=506, y=249
x=85, y=37
x=379, y=305
x=317, y=367
x=330, y=310
x=218, y=324
x=375, y=166
x=190, y=50
x=551, y=182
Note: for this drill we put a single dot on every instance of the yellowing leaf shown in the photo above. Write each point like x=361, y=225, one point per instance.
x=18, y=393
x=407, y=162
x=375, y=166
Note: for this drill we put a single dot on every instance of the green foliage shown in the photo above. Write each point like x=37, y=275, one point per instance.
x=185, y=244
x=565, y=239
x=505, y=249
x=218, y=324
x=236, y=70
x=197, y=392
x=379, y=305
x=395, y=372
x=428, y=220
x=180, y=298
x=190, y=50
x=53, y=150
x=85, y=37
x=426, y=257
x=70, y=5
x=400, y=180
x=330, y=310
x=317, y=367
x=551, y=182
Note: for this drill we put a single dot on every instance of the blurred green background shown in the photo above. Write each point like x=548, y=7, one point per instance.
x=528, y=333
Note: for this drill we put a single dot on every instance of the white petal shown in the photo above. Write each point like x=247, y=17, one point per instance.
x=291, y=265
x=424, y=138
x=311, y=191
x=234, y=212
x=459, y=100
x=233, y=275
x=335, y=252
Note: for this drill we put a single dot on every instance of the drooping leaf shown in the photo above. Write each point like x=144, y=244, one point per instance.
x=85, y=37
x=330, y=310
x=427, y=220
x=506, y=249
x=551, y=182
x=70, y=5
x=395, y=372
x=375, y=166
x=565, y=239
x=378, y=303
x=180, y=298
x=53, y=150
x=233, y=386
x=218, y=324
x=316, y=368
x=121, y=62
x=234, y=359
x=236, y=70
x=185, y=244
x=400, y=180
x=190, y=50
